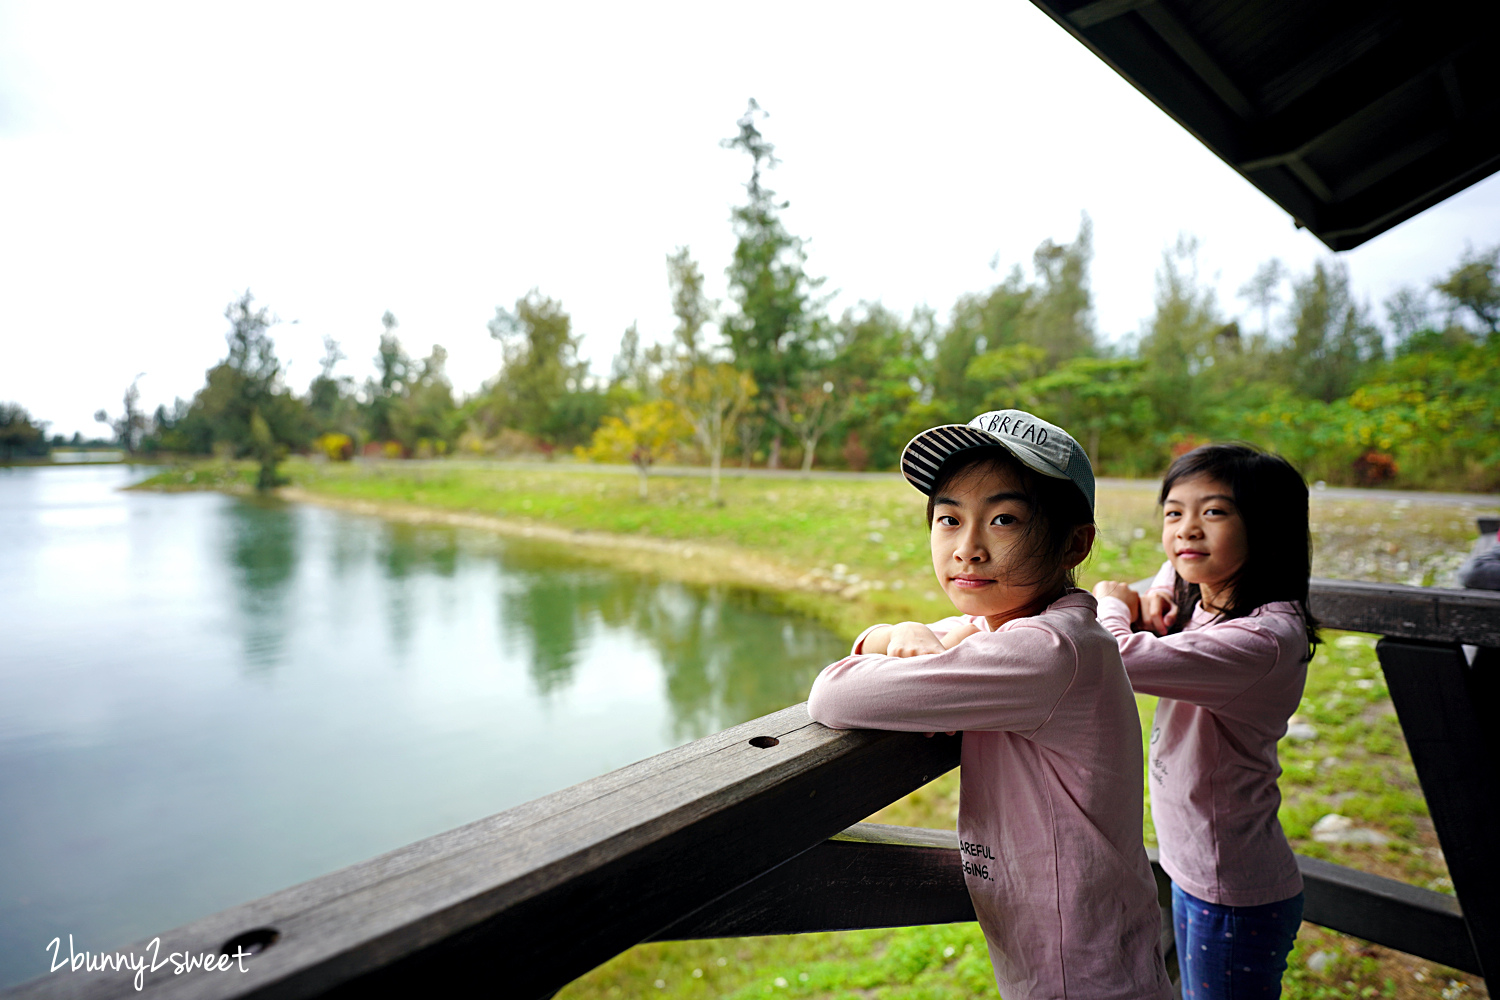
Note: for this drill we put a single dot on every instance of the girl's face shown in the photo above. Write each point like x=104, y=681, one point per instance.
x=982, y=550
x=1202, y=532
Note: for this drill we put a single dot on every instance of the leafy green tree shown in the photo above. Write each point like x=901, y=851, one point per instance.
x=424, y=418
x=982, y=324
x=1092, y=398
x=130, y=426
x=540, y=359
x=1332, y=336
x=711, y=396
x=19, y=433
x=771, y=329
x=630, y=373
x=1183, y=339
x=1004, y=374
x=542, y=387
x=690, y=304
x=383, y=394
x=882, y=363
x=244, y=405
x=1061, y=319
x=1263, y=290
x=1475, y=286
x=180, y=428
x=1016, y=322
x=330, y=397
x=1408, y=311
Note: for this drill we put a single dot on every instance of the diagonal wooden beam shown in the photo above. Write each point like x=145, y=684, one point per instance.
x=1181, y=40
x=1104, y=10
x=890, y=876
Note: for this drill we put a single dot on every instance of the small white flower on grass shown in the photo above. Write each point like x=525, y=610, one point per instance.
x=779, y=981
x=697, y=973
x=661, y=984
x=948, y=952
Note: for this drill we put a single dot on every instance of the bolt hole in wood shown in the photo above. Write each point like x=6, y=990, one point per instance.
x=764, y=742
x=253, y=942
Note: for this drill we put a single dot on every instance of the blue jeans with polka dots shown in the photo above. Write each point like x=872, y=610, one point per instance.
x=1233, y=952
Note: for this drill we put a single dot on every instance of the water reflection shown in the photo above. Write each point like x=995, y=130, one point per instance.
x=295, y=689
x=262, y=548
x=726, y=655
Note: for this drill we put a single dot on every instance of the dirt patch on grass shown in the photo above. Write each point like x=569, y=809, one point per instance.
x=689, y=561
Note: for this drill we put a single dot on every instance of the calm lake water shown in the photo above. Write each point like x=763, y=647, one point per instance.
x=205, y=699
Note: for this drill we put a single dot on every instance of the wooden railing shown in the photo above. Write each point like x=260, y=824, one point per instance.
x=756, y=830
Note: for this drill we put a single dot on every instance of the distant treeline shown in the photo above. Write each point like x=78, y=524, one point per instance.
x=1410, y=397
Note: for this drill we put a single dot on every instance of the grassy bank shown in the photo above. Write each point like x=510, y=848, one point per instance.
x=854, y=551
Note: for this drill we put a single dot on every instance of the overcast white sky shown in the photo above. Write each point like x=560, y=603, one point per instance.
x=439, y=159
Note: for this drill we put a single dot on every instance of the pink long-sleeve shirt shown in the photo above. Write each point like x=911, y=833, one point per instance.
x=1227, y=689
x=1050, y=803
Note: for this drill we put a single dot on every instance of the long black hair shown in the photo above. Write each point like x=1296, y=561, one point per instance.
x=1272, y=500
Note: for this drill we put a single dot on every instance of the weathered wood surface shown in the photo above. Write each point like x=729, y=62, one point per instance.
x=890, y=876
x=525, y=901
x=1448, y=713
x=1427, y=614
x=870, y=875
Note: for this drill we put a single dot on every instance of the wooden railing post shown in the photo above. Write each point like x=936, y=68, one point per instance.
x=1450, y=714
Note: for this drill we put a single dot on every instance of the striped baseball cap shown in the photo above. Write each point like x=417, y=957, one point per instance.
x=1039, y=445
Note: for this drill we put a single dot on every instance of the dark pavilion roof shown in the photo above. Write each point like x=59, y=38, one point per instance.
x=1353, y=115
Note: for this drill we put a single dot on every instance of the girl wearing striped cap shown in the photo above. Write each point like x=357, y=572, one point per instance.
x=1050, y=804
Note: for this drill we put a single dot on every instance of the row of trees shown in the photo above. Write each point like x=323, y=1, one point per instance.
x=1346, y=397
x=770, y=377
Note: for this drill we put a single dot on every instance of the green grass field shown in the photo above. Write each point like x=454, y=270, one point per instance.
x=854, y=551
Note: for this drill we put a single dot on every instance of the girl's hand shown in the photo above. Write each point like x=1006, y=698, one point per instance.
x=1121, y=591
x=916, y=639
x=958, y=635
x=1158, y=612
x=912, y=639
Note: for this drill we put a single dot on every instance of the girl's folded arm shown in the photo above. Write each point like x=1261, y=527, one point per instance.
x=1208, y=666
x=878, y=643
x=1006, y=681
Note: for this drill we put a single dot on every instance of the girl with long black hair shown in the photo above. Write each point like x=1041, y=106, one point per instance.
x=1223, y=637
